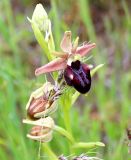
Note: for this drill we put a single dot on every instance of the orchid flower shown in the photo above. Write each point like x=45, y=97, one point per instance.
x=76, y=74
x=68, y=53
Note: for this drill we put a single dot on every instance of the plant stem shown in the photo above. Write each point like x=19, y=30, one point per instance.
x=48, y=150
x=65, y=133
x=67, y=119
x=66, y=103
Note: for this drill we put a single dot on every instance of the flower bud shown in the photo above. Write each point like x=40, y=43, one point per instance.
x=40, y=18
x=42, y=131
x=39, y=104
x=41, y=26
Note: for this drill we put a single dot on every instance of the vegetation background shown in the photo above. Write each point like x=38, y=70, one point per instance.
x=104, y=114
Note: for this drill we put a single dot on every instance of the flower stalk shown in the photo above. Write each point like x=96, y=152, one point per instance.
x=65, y=133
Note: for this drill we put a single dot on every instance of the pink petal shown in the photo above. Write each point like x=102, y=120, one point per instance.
x=83, y=50
x=55, y=65
x=66, y=44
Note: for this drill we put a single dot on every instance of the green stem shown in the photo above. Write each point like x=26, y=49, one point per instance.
x=66, y=103
x=48, y=150
x=65, y=133
x=67, y=119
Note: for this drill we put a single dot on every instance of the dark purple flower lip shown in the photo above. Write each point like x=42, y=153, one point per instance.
x=78, y=76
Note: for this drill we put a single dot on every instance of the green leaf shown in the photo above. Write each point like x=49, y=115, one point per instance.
x=96, y=69
x=40, y=38
x=88, y=145
x=65, y=133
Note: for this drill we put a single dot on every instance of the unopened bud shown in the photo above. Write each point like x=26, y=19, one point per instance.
x=42, y=131
x=40, y=134
x=40, y=107
x=40, y=18
x=39, y=104
x=41, y=24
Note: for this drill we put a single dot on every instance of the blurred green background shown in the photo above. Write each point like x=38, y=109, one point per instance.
x=104, y=114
